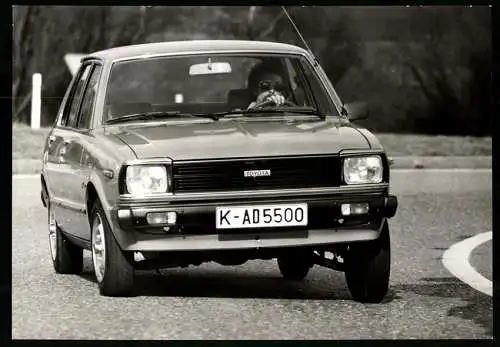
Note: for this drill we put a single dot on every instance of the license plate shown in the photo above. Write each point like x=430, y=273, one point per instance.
x=231, y=217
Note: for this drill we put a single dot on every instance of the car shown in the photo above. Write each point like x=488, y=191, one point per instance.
x=173, y=154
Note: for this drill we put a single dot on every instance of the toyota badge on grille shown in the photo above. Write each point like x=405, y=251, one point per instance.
x=256, y=173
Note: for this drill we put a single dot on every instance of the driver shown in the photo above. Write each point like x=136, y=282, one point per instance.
x=262, y=83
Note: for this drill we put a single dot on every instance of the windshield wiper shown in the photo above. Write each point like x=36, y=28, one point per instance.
x=311, y=111
x=217, y=115
x=129, y=117
x=159, y=114
x=308, y=111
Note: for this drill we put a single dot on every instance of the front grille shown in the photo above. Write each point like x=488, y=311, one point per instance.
x=286, y=173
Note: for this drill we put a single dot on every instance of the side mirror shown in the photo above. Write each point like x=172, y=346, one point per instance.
x=357, y=110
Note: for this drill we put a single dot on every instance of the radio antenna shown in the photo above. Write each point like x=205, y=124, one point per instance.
x=316, y=63
x=297, y=30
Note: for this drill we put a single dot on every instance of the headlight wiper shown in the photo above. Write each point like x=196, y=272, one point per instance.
x=158, y=114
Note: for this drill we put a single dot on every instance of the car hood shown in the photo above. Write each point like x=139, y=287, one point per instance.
x=206, y=139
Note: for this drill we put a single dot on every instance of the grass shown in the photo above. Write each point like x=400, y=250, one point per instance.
x=28, y=144
x=425, y=145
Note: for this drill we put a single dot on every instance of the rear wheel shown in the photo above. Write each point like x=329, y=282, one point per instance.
x=114, y=272
x=368, y=268
x=67, y=258
x=295, y=265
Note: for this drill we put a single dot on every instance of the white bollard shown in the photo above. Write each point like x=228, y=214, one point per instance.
x=36, y=102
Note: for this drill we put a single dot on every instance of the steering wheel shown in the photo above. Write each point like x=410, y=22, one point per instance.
x=270, y=102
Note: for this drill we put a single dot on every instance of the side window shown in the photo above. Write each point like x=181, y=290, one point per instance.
x=88, y=101
x=72, y=110
x=301, y=95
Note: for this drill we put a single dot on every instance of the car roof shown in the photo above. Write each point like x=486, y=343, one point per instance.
x=193, y=46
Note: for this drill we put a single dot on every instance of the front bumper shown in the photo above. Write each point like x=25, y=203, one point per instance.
x=145, y=243
x=195, y=229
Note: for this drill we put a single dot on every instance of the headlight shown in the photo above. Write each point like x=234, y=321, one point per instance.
x=146, y=179
x=363, y=170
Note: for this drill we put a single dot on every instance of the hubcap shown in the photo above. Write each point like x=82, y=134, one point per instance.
x=52, y=234
x=98, y=248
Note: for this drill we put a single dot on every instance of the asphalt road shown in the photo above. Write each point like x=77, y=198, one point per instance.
x=252, y=301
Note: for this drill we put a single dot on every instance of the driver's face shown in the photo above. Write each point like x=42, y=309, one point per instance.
x=268, y=81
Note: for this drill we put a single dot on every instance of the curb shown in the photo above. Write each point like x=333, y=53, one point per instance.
x=33, y=166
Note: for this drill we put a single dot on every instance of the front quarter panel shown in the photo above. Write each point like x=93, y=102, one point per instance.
x=105, y=154
x=372, y=139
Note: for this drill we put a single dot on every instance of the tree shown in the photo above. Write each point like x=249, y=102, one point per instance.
x=331, y=39
x=24, y=19
x=44, y=34
x=451, y=63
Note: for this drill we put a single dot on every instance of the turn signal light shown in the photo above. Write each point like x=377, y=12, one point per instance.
x=156, y=218
x=351, y=209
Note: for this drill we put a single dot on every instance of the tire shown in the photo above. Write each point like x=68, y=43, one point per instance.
x=368, y=266
x=295, y=266
x=114, y=272
x=67, y=258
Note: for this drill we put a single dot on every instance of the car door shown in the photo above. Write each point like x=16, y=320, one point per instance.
x=53, y=165
x=81, y=142
x=64, y=177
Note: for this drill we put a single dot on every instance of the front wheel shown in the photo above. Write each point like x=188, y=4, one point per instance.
x=113, y=271
x=67, y=258
x=368, y=268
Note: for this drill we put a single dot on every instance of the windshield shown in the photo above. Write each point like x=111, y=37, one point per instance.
x=205, y=84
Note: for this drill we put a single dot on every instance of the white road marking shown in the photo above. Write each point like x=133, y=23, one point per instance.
x=456, y=260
